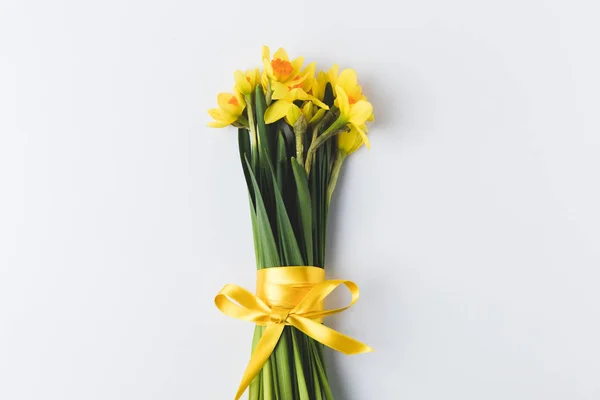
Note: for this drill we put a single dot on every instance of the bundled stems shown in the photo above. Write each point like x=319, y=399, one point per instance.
x=335, y=128
x=290, y=191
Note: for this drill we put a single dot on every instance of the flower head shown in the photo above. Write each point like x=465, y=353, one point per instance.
x=231, y=107
x=349, y=142
x=353, y=112
x=280, y=68
x=245, y=83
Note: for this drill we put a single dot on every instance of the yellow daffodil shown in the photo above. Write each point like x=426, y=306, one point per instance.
x=304, y=82
x=353, y=112
x=318, y=86
x=231, y=107
x=285, y=108
x=245, y=83
x=348, y=81
x=349, y=142
x=280, y=68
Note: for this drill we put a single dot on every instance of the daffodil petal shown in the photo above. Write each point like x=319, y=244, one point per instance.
x=217, y=124
x=266, y=53
x=360, y=112
x=280, y=90
x=348, y=80
x=217, y=114
x=228, y=103
x=318, y=115
x=307, y=110
x=318, y=102
x=309, y=76
x=349, y=142
x=221, y=118
x=297, y=94
x=342, y=101
x=364, y=136
x=293, y=113
x=241, y=82
x=297, y=64
x=268, y=68
x=332, y=75
x=277, y=110
x=281, y=54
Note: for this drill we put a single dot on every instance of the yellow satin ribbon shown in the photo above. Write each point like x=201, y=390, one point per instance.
x=287, y=296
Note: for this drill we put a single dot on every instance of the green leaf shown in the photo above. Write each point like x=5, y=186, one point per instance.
x=320, y=370
x=245, y=151
x=284, y=366
x=268, y=387
x=304, y=208
x=255, y=386
x=268, y=247
x=302, y=387
x=255, y=234
x=291, y=251
x=328, y=96
x=274, y=370
x=282, y=165
x=314, y=199
x=263, y=133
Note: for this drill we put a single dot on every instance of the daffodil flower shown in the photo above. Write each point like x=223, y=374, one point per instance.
x=280, y=68
x=318, y=86
x=353, y=112
x=285, y=108
x=349, y=142
x=231, y=107
x=245, y=83
x=348, y=81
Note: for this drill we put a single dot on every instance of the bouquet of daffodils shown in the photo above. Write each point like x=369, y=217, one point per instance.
x=295, y=129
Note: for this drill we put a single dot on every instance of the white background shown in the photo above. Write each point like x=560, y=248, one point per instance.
x=472, y=226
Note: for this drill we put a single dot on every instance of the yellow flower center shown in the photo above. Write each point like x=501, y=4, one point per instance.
x=281, y=69
x=234, y=101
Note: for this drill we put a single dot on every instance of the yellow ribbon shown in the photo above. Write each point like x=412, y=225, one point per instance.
x=287, y=296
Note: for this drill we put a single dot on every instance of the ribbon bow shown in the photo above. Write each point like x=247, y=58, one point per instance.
x=305, y=315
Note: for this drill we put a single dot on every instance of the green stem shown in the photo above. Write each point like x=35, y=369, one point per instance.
x=252, y=126
x=267, y=375
x=335, y=174
x=255, y=386
x=318, y=394
x=299, y=145
x=320, y=367
x=337, y=127
x=284, y=366
x=300, y=378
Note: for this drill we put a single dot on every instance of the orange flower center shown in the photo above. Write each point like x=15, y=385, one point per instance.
x=281, y=69
x=234, y=101
x=351, y=100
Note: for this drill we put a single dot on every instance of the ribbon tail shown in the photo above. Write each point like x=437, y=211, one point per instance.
x=261, y=354
x=329, y=337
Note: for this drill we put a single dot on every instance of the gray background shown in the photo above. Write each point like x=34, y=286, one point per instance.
x=472, y=226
